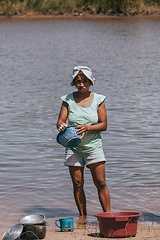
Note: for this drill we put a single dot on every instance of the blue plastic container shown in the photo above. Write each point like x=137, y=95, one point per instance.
x=69, y=138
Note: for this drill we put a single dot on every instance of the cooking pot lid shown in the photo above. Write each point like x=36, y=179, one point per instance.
x=13, y=233
x=33, y=219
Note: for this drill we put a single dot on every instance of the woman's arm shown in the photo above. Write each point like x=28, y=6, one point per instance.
x=63, y=114
x=102, y=121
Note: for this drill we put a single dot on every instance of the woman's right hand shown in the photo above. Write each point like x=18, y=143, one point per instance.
x=62, y=127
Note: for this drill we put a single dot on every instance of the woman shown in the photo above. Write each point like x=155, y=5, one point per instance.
x=86, y=110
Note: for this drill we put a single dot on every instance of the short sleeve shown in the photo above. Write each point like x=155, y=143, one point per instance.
x=66, y=98
x=63, y=98
x=100, y=98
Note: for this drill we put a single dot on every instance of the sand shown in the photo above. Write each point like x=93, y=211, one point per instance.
x=143, y=233
x=91, y=231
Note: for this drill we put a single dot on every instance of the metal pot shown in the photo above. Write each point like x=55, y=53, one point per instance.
x=34, y=227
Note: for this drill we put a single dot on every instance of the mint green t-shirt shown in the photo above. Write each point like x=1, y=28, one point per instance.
x=78, y=115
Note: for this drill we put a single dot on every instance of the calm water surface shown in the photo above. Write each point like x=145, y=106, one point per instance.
x=36, y=61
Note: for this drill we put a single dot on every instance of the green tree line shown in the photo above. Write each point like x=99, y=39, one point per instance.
x=79, y=7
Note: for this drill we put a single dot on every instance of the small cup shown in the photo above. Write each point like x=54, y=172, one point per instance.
x=66, y=224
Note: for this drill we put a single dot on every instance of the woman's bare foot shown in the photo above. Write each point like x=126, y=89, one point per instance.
x=82, y=220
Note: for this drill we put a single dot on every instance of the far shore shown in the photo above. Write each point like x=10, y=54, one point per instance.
x=32, y=15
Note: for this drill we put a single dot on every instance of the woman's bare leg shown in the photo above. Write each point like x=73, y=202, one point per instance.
x=78, y=183
x=98, y=174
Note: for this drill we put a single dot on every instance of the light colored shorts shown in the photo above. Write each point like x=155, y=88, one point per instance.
x=81, y=159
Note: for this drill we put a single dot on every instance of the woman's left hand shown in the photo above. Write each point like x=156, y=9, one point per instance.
x=82, y=129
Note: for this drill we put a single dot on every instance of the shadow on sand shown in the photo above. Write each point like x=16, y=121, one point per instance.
x=149, y=217
x=49, y=212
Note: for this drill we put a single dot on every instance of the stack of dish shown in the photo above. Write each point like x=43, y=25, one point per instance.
x=30, y=227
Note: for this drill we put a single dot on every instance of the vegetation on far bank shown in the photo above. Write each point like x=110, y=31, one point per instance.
x=79, y=7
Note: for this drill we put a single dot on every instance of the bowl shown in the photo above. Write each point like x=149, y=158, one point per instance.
x=118, y=224
x=69, y=138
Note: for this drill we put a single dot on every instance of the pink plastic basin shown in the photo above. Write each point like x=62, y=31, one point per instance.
x=118, y=224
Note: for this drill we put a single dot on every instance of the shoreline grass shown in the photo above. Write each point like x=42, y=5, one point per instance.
x=79, y=7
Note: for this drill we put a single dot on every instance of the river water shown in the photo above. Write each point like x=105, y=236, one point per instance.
x=36, y=61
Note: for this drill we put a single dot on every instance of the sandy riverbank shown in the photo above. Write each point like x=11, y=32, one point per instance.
x=91, y=231
x=32, y=15
x=143, y=233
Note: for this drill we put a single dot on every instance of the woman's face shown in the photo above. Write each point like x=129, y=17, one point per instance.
x=82, y=83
